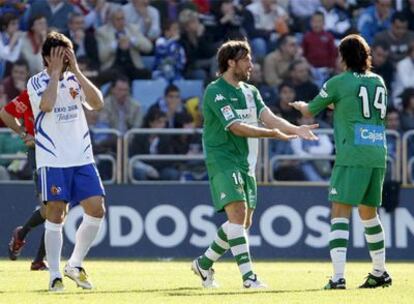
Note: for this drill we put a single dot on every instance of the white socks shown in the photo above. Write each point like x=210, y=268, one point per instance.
x=53, y=246
x=338, y=242
x=85, y=235
x=374, y=235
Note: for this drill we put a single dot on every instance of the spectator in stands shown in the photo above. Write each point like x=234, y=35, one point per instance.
x=374, y=19
x=300, y=77
x=146, y=16
x=99, y=13
x=286, y=94
x=319, y=45
x=407, y=115
x=392, y=123
x=228, y=21
x=153, y=144
x=301, y=11
x=198, y=46
x=267, y=92
x=337, y=20
x=314, y=170
x=171, y=105
x=10, y=41
x=32, y=43
x=404, y=76
x=409, y=13
x=277, y=63
x=84, y=42
x=398, y=37
x=382, y=65
x=169, y=54
x=264, y=22
x=121, y=111
x=16, y=82
x=55, y=11
x=14, y=7
x=120, y=45
x=10, y=144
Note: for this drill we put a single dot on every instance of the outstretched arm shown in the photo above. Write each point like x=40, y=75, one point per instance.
x=272, y=121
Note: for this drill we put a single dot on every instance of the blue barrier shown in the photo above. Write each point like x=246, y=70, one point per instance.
x=178, y=221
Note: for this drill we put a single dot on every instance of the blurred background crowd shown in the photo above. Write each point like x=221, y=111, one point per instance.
x=152, y=59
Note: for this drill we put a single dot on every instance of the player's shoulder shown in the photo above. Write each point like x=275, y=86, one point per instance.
x=215, y=91
x=38, y=82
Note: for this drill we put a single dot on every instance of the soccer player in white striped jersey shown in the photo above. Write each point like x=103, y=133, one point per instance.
x=64, y=155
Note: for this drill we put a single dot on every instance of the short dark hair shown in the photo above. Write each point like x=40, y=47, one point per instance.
x=355, y=53
x=171, y=88
x=34, y=19
x=400, y=16
x=231, y=50
x=286, y=84
x=382, y=44
x=21, y=62
x=406, y=96
x=6, y=19
x=152, y=115
x=122, y=78
x=54, y=39
x=284, y=39
x=318, y=13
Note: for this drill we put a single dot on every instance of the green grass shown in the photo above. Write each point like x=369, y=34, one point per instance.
x=172, y=282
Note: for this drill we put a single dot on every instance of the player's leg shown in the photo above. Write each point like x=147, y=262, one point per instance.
x=54, y=186
x=374, y=232
x=344, y=194
x=225, y=189
x=338, y=243
x=55, y=214
x=89, y=191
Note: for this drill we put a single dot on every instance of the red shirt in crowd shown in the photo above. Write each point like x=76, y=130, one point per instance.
x=20, y=108
x=319, y=49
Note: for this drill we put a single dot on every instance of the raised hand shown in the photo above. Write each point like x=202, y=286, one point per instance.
x=71, y=58
x=55, y=60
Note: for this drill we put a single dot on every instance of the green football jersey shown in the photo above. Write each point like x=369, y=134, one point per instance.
x=360, y=102
x=223, y=105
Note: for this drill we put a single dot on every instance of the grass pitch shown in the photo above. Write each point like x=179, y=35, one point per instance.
x=125, y=281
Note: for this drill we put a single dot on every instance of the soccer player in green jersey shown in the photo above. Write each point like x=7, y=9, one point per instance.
x=359, y=99
x=232, y=111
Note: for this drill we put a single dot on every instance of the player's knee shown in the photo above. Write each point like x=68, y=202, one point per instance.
x=55, y=212
x=367, y=213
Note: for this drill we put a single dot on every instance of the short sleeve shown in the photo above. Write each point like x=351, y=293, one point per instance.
x=220, y=106
x=260, y=105
x=18, y=106
x=35, y=92
x=325, y=97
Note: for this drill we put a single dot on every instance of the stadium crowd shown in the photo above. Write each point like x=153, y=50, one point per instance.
x=294, y=44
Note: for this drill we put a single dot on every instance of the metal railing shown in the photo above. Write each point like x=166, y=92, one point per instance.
x=405, y=157
x=129, y=135
x=117, y=166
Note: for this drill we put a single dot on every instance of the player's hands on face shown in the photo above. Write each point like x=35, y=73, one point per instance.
x=55, y=61
x=71, y=58
x=305, y=132
x=277, y=134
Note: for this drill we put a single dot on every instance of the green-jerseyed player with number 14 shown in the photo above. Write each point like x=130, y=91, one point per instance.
x=232, y=110
x=359, y=98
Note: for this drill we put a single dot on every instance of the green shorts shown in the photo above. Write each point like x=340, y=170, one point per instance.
x=232, y=186
x=356, y=185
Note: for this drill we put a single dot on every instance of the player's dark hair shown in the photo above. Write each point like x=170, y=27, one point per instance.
x=355, y=53
x=231, y=50
x=54, y=39
x=171, y=88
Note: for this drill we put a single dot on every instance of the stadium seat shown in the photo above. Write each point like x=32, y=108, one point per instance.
x=148, y=62
x=146, y=92
x=190, y=88
x=105, y=88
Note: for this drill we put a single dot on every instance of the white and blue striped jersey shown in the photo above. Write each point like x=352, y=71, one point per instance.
x=62, y=135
